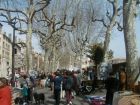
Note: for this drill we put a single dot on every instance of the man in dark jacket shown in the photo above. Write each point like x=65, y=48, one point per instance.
x=57, y=87
x=111, y=85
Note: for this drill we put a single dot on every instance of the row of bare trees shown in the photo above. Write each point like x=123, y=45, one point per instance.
x=66, y=27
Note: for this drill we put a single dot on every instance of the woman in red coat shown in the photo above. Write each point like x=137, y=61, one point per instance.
x=5, y=92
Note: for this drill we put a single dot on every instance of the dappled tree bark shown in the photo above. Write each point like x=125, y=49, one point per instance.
x=110, y=26
x=129, y=12
x=29, y=38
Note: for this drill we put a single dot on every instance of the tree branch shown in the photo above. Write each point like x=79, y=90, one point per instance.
x=120, y=28
x=11, y=23
x=100, y=20
x=21, y=20
x=107, y=14
x=120, y=8
x=22, y=31
x=15, y=11
x=110, y=1
x=39, y=9
x=3, y=15
x=46, y=17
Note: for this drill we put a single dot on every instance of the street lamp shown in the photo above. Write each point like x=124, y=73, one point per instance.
x=13, y=55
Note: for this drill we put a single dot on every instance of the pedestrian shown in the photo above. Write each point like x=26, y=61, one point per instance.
x=122, y=80
x=5, y=92
x=51, y=78
x=24, y=91
x=68, y=87
x=79, y=77
x=57, y=87
x=90, y=73
x=111, y=85
x=31, y=84
x=75, y=85
x=63, y=84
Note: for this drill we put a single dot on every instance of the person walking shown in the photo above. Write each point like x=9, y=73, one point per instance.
x=111, y=85
x=24, y=91
x=5, y=92
x=63, y=84
x=68, y=87
x=57, y=87
x=122, y=80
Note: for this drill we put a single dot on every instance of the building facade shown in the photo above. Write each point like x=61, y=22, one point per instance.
x=19, y=56
x=5, y=53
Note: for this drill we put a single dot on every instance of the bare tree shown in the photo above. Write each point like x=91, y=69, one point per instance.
x=83, y=33
x=129, y=13
x=109, y=24
x=23, y=12
x=52, y=27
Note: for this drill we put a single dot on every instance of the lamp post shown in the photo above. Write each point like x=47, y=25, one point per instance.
x=13, y=55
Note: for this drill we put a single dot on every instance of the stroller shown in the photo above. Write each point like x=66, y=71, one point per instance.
x=85, y=88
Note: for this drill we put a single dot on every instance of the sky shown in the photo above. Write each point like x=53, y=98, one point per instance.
x=8, y=29
x=116, y=43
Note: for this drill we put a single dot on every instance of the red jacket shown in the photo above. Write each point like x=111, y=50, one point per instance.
x=5, y=96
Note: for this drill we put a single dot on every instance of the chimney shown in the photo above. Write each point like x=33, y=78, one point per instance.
x=1, y=27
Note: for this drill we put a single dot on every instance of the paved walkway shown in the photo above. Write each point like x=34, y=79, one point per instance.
x=78, y=100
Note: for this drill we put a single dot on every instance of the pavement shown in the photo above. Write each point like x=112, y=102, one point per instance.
x=78, y=100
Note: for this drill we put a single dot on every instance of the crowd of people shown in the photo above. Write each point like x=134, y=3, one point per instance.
x=63, y=83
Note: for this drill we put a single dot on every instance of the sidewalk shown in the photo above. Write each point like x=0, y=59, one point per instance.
x=50, y=101
x=78, y=100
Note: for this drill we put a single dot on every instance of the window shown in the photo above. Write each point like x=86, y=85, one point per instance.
x=7, y=63
x=3, y=53
x=8, y=46
x=3, y=45
x=15, y=50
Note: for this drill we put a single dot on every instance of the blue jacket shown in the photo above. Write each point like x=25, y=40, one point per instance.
x=57, y=82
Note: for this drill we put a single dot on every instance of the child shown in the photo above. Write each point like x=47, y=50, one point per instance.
x=24, y=92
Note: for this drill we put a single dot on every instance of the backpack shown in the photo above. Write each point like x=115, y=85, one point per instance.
x=68, y=83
